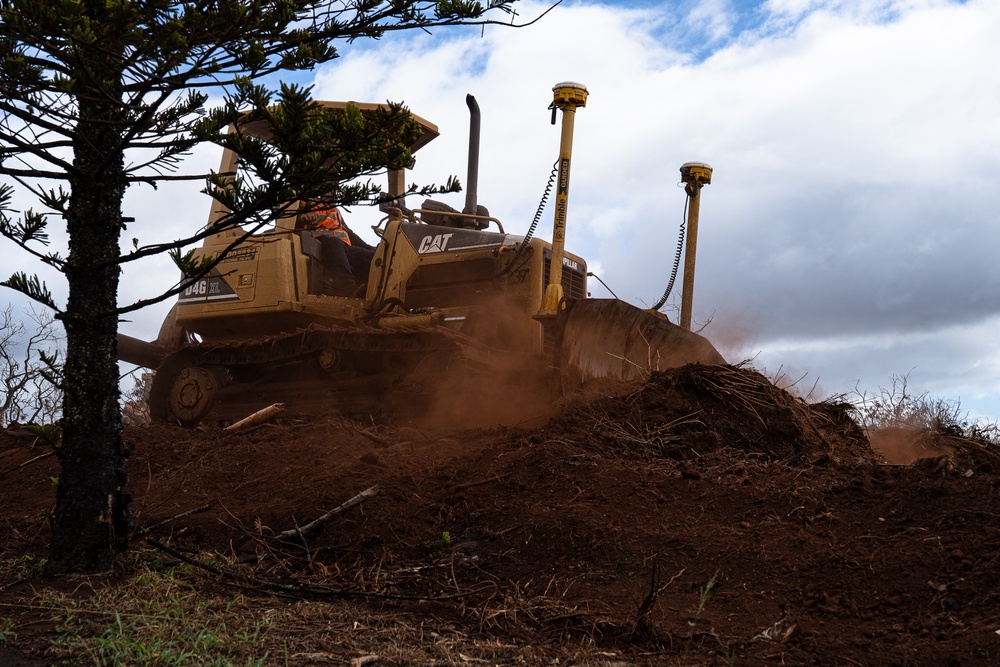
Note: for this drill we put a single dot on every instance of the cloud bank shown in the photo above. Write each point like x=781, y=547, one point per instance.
x=851, y=225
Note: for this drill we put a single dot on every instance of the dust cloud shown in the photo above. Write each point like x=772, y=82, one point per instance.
x=735, y=337
x=516, y=391
x=503, y=382
x=908, y=445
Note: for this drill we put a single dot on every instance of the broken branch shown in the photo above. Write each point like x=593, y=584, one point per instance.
x=30, y=461
x=310, y=529
x=261, y=415
x=196, y=510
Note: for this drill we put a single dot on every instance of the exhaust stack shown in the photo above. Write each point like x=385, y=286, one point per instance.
x=472, y=184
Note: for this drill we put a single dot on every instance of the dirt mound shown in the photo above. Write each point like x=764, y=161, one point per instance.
x=695, y=410
x=702, y=515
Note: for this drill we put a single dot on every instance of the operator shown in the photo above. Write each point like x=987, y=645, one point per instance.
x=345, y=255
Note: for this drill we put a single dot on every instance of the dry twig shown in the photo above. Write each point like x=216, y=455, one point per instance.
x=196, y=510
x=261, y=415
x=300, y=590
x=28, y=462
x=642, y=627
x=313, y=527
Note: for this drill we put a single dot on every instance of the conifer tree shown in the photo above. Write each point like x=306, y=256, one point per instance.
x=98, y=96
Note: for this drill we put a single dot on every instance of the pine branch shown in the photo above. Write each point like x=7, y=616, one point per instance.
x=32, y=287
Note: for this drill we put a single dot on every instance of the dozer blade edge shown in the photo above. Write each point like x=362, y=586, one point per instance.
x=609, y=338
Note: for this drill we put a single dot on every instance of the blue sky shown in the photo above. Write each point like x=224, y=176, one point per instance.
x=851, y=229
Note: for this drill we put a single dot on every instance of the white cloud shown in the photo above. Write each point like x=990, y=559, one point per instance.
x=854, y=158
x=713, y=18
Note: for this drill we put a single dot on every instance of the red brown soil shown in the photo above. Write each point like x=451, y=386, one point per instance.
x=776, y=535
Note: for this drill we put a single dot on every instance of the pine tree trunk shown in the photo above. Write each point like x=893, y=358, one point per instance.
x=92, y=514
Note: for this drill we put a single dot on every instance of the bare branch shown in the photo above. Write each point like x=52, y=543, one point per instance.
x=27, y=396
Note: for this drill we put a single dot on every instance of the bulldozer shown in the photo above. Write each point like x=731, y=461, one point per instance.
x=455, y=314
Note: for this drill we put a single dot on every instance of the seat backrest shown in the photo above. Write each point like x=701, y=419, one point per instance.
x=313, y=250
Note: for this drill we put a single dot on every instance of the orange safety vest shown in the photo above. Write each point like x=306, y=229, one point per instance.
x=328, y=220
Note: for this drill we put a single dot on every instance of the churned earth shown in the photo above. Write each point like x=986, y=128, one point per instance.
x=703, y=516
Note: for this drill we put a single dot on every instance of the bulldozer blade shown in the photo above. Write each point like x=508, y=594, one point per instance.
x=608, y=338
x=139, y=352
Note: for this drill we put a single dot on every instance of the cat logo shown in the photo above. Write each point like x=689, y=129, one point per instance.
x=434, y=243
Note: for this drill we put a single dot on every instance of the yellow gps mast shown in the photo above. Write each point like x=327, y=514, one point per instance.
x=566, y=96
x=694, y=175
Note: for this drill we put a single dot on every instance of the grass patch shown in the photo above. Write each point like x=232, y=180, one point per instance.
x=157, y=618
x=20, y=568
x=7, y=632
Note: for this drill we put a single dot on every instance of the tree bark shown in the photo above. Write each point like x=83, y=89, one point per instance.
x=92, y=514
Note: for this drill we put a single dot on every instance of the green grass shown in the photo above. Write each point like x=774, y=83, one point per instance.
x=157, y=619
x=703, y=596
x=19, y=568
x=7, y=630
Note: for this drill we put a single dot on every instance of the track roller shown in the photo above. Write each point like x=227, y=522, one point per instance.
x=193, y=393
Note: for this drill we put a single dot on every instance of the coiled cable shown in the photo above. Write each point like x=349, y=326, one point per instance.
x=534, y=223
x=677, y=258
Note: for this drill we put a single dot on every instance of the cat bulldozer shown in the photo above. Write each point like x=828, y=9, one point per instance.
x=456, y=315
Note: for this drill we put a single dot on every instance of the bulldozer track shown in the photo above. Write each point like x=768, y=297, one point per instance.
x=377, y=374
